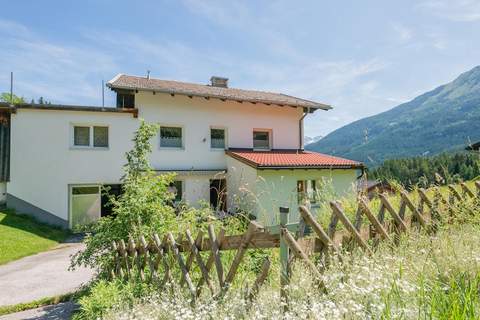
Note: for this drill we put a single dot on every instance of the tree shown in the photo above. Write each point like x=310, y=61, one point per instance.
x=422, y=170
x=143, y=208
x=5, y=97
x=41, y=100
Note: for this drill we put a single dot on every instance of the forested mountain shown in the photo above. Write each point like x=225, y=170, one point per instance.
x=425, y=171
x=444, y=119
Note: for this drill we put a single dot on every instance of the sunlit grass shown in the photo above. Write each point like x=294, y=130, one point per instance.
x=21, y=236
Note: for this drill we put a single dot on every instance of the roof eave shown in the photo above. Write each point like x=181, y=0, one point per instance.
x=304, y=167
x=315, y=105
x=312, y=167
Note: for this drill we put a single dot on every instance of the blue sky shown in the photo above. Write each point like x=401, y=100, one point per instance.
x=363, y=57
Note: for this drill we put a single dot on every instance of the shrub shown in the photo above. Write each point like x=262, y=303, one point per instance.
x=143, y=208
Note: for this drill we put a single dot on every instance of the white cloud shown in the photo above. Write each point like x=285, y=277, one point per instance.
x=404, y=33
x=59, y=73
x=454, y=10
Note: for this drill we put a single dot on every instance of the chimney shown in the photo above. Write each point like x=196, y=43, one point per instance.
x=219, y=82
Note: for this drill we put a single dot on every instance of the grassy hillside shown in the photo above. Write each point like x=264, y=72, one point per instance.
x=443, y=119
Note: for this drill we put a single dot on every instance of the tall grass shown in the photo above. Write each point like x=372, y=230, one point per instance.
x=424, y=277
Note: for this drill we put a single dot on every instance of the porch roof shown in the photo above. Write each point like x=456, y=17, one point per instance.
x=291, y=159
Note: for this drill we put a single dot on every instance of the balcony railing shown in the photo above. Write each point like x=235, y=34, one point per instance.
x=170, y=142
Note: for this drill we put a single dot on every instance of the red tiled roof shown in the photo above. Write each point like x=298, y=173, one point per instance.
x=128, y=82
x=291, y=159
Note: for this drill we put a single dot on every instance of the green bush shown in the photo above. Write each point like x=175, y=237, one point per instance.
x=143, y=208
x=104, y=296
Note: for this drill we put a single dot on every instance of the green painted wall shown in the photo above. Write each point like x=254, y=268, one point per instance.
x=275, y=188
x=262, y=192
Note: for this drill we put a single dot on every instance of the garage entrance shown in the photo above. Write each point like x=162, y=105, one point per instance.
x=90, y=202
x=85, y=204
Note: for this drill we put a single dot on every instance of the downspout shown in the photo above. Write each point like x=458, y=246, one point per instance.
x=300, y=129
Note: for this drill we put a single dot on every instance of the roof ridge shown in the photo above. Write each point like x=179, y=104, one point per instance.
x=210, y=86
x=115, y=78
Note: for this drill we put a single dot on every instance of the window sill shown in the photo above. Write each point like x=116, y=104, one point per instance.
x=172, y=148
x=262, y=149
x=90, y=148
x=218, y=149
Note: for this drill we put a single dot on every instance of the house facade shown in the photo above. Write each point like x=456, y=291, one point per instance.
x=236, y=150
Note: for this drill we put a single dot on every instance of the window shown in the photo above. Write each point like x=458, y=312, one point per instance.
x=217, y=138
x=81, y=136
x=261, y=139
x=171, y=137
x=90, y=136
x=176, y=188
x=100, y=137
x=85, y=190
x=125, y=100
x=307, y=190
x=84, y=205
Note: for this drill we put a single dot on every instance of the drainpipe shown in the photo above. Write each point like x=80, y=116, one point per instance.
x=300, y=129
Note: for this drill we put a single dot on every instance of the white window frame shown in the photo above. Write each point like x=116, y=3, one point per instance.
x=225, y=138
x=182, y=148
x=270, y=139
x=90, y=126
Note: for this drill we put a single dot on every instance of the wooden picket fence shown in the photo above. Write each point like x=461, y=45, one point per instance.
x=167, y=258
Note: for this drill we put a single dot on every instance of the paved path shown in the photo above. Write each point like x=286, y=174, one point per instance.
x=41, y=275
x=61, y=311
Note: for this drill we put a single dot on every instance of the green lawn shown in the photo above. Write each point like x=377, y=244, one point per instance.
x=21, y=236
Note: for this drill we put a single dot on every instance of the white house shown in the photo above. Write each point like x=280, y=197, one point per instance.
x=235, y=149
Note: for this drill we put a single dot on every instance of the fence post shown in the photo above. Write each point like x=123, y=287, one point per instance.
x=284, y=258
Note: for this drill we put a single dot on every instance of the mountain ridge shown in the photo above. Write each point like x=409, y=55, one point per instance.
x=442, y=119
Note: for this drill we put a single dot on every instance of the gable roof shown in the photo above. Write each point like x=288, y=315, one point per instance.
x=291, y=159
x=127, y=82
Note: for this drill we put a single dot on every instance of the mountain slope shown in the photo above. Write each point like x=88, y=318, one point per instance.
x=443, y=119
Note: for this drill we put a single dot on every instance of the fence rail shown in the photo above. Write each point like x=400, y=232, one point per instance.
x=151, y=260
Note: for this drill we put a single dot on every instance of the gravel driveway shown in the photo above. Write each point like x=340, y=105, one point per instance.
x=41, y=275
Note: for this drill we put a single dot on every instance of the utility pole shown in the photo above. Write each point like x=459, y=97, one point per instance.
x=11, y=87
x=103, y=93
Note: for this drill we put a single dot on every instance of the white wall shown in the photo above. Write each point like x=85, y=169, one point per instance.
x=3, y=192
x=241, y=184
x=197, y=115
x=43, y=164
